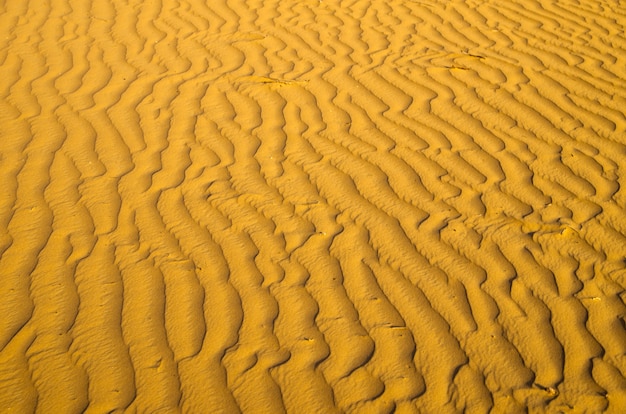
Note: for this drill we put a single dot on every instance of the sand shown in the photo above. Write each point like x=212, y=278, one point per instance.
x=312, y=206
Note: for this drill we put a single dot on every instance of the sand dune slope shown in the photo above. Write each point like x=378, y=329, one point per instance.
x=312, y=206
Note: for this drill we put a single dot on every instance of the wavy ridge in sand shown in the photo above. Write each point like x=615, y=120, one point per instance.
x=313, y=206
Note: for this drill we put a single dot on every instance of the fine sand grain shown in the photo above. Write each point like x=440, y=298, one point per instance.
x=312, y=206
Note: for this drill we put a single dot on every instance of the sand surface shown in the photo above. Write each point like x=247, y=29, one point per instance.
x=312, y=206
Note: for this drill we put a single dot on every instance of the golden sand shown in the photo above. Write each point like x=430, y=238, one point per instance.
x=312, y=206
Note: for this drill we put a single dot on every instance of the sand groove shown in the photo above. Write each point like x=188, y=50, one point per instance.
x=313, y=206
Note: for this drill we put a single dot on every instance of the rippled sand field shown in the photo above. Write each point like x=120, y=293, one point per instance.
x=313, y=206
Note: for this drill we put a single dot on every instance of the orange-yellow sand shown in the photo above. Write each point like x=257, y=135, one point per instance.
x=312, y=206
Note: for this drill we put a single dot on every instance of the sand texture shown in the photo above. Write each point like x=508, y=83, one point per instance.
x=312, y=206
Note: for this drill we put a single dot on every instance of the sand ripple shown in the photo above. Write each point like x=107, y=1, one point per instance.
x=312, y=206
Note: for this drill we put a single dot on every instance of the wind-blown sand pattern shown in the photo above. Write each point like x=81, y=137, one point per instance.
x=312, y=206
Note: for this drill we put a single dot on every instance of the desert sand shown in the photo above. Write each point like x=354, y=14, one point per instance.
x=312, y=206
